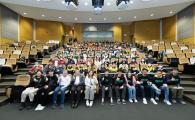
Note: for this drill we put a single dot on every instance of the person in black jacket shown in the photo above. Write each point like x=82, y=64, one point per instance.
x=120, y=84
x=37, y=83
x=42, y=93
x=106, y=85
x=144, y=83
x=160, y=84
x=173, y=80
x=77, y=84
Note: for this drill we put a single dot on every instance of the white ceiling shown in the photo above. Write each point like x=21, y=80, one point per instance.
x=53, y=9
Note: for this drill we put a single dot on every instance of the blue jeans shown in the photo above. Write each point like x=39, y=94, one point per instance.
x=166, y=92
x=132, y=92
x=142, y=89
x=62, y=90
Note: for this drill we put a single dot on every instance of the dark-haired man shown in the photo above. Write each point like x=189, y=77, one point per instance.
x=144, y=82
x=106, y=85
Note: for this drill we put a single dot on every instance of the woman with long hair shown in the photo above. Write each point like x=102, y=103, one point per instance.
x=90, y=87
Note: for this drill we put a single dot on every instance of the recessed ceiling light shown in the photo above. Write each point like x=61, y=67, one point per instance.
x=75, y=19
x=60, y=17
x=135, y=17
x=151, y=14
x=43, y=15
x=108, y=3
x=90, y=19
x=86, y=3
x=131, y=1
x=105, y=19
x=24, y=13
x=38, y=0
x=171, y=12
x=63, y=2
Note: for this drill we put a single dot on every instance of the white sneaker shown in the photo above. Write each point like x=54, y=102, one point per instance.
x=145, y=101
x=156, y=98
x=87, y=103
x=153, y=101
x=102, y=100
x=90, y=103
x=135, y=100
x=111, y=100
x=167, y=102
x=130, y=100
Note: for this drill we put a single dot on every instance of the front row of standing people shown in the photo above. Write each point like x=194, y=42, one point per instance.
x=51, y=84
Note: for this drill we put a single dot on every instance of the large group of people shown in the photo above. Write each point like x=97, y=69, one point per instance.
x=100, y=68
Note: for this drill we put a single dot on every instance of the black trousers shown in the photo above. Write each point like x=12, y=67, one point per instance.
x=42, y=95
x=76, y=93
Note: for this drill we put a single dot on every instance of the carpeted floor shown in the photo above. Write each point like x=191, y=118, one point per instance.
x=129, y=111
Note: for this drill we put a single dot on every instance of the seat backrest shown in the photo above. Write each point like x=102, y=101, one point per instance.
x=6, y=56
x=11, y=61
x=183, y=60
x=22, y=80
x=171, y=55
x=8, y=52
x=1, y=51
x=16, y=56
x=18, y=52
x=190, y=55
x=180, y=55
x=45, y=61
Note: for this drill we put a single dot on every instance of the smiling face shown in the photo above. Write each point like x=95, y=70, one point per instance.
x=159, y=74
x=175, y=72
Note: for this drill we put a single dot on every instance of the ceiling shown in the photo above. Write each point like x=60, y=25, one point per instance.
x=55, y=10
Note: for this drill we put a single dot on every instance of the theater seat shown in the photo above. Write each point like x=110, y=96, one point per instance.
x=9, y=67
x=22, y=80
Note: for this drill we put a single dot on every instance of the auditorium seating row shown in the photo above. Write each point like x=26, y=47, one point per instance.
x=174, y=53
x=12, y=57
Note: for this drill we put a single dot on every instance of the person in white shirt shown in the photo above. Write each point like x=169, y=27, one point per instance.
x=63, y=84
x=90, y=87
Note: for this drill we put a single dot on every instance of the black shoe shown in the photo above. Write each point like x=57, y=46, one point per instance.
x=30, y=106
x=22, y=106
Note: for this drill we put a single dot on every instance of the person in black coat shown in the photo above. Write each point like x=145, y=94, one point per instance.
x=77, y=84
x=106, y=85
x=37, y=84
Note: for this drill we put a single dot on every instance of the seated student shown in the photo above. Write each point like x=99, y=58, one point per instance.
x=144, y=83
x=120, y=84
x=160, y=84
x=150, y=68
x=113, y=68
x=131, y=83
x=90, y=87
x=76, y=88
x=59, y=69
x=173, y=79
x=106, y=85
x=42, y=93
x=63, y=84
x=101, y=69
x=49, y=67
x=37, y=67
x=150, y=60
x=37, y=83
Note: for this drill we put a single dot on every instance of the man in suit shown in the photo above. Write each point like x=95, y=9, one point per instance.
x=76, y=88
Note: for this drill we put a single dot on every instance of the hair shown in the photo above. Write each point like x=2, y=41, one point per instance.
x=92, y=73
x=144, y=69
x=174, y=69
